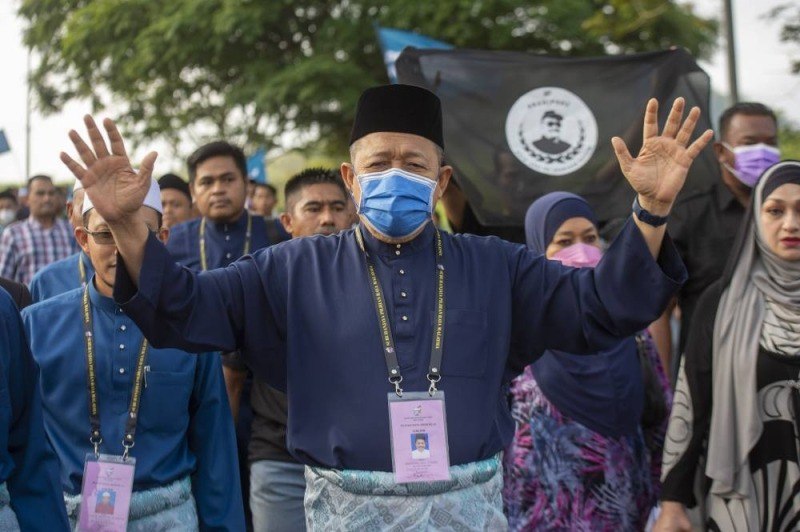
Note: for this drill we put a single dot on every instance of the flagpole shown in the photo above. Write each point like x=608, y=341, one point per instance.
x=731, y=49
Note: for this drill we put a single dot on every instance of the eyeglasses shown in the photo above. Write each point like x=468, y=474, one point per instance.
x=102, y=238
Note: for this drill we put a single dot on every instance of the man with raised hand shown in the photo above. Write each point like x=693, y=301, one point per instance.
x=368, y=330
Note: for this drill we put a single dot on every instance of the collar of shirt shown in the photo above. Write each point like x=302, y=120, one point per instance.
x=33, y=222
x=106, y=304
x=725, y=197
x=423, y=241
x=87, y=263
x=239, y=225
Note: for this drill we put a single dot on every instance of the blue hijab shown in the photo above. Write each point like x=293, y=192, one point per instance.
x=603, y=391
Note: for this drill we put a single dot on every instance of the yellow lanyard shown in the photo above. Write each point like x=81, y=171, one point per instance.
x=203, y=261
x=389, y=352
x=95, y=436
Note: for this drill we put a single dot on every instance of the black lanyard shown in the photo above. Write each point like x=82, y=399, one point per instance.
x=95, y=436
x=392, y=366
x=203, y=261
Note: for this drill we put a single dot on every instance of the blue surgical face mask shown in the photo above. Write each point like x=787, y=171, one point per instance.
x=396, y=203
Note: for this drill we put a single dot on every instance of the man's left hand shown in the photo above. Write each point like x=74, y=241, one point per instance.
x=659, y=171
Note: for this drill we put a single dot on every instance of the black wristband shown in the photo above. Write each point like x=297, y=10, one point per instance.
x=647, y=217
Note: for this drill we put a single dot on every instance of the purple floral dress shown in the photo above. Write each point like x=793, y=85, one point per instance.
x=560, y=475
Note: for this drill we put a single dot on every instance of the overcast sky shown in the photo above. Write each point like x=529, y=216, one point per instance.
x=763, y=64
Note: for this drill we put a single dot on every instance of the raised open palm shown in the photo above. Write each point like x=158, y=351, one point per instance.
x=659, y=170
x=116, y=190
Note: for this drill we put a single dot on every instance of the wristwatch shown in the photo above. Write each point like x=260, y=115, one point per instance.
x=645, y=216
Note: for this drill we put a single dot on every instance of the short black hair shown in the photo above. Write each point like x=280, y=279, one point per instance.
x=312, y=176
x=174, y=182
x=38, y=177
x=218, y=148
x=7, y=194
x=743, y=108
x=268, y=187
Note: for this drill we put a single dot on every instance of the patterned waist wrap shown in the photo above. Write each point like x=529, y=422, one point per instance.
x=169, y=507
x=371, y=500
x=8, y=519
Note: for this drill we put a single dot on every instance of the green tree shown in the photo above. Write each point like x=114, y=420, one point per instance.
x=254, y=70
x=789, y=138
x=789, y=14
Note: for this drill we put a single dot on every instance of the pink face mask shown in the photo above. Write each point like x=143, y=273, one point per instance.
x=579, y=255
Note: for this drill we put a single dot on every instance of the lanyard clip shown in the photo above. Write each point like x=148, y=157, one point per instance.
x=96, y=439
x=433, y=379
x=396, y=381
x=127, y=444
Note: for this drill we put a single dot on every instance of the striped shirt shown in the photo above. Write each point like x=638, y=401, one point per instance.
x=26, y=247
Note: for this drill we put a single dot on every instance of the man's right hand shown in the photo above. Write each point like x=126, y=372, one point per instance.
x=673, y=518
x=116, y=190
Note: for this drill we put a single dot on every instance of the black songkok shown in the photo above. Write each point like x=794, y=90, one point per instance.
x=173, y=181
x=399, y=109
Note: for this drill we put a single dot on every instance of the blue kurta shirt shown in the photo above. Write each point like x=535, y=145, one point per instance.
x=27, y=463
x=185, y=426
x=59, y=277
x=302, y=313
x=224, y=242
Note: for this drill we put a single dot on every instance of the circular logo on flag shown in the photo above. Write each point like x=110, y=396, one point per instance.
x=551, y=130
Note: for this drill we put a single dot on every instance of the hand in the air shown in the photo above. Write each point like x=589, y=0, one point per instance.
x=116, y=190
x=659, y=171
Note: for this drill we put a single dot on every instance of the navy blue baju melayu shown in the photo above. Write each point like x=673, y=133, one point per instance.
x=184, y=429
x=302, y=313
x=28, y=466
x=225, y=242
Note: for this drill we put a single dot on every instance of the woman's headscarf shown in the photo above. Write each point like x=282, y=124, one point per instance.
x=759, y=306
x=546, y=214
x=603, y=391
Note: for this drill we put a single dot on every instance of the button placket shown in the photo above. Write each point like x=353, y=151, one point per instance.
x=120, y=360
x=404, y=317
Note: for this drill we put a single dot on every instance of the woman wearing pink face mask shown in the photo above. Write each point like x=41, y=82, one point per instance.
x=586, y=453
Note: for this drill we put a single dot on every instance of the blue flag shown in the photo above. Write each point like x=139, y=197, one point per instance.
x=394, y=41
x=4, y=147
x=256, y=168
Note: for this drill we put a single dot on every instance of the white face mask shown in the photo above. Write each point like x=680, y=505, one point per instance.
x=7, y=216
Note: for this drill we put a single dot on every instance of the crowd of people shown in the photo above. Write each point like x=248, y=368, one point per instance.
x=178, y=355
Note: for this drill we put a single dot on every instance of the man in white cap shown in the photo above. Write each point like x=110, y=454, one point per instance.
x=69, y=273
x=181, y=463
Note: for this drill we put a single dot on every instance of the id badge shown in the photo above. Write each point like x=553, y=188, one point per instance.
x=420, y=452
x=106, y=493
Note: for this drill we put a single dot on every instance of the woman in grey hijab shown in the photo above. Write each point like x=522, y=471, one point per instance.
x=735, y=411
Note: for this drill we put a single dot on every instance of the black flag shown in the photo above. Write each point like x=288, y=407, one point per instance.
x=518, y=125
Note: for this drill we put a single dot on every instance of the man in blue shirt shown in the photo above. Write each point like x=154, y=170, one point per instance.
x=225, y=232
x=69, y=273
x=345, y=323
x=30, y=496
x=185, y=452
